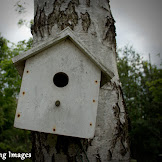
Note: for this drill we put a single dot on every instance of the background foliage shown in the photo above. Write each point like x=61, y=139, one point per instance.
x=142, y=87
x=12, y=139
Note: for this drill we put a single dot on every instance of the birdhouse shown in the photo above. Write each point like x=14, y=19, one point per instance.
x=60, y=87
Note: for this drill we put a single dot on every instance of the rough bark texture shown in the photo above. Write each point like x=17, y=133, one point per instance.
x=93, y=23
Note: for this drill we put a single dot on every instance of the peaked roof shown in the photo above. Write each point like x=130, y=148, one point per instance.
x=19, y=60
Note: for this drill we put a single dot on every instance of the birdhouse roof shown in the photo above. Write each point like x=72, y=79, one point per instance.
x=67, y=33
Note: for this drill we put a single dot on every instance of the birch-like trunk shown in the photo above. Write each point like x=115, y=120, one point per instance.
x=92, y=21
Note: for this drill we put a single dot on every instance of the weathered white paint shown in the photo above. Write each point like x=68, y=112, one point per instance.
x=66, y=33
x=76, y=115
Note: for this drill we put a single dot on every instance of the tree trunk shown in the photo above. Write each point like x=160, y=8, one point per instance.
x=92, y=21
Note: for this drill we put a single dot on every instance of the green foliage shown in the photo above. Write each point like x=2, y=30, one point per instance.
x=142, y=88
x=23, y=22
x=20, y=6
x=11, y=138
x=156, y=89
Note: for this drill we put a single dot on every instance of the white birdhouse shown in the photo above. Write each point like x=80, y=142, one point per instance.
x=60, y=87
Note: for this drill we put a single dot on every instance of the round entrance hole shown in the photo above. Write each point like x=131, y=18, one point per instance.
x=60, y=79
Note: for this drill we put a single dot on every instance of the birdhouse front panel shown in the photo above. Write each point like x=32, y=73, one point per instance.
x=59, y=92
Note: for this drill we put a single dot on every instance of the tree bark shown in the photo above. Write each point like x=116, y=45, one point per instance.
x=92, y=21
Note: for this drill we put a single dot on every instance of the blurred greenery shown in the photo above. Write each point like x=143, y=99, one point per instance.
x=11, y=139
x=21, y=8
x=142, y=88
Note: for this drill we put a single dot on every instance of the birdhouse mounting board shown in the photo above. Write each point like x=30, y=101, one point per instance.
x=59, y=92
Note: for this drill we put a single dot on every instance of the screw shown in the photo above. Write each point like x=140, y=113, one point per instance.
x=57, y=103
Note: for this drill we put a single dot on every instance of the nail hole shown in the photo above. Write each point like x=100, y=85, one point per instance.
x=90, y=124
x=96, y=82
x=94, y=101
x=27, y=71
x=54, y=129
x=23, y=93
x=18, y=115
